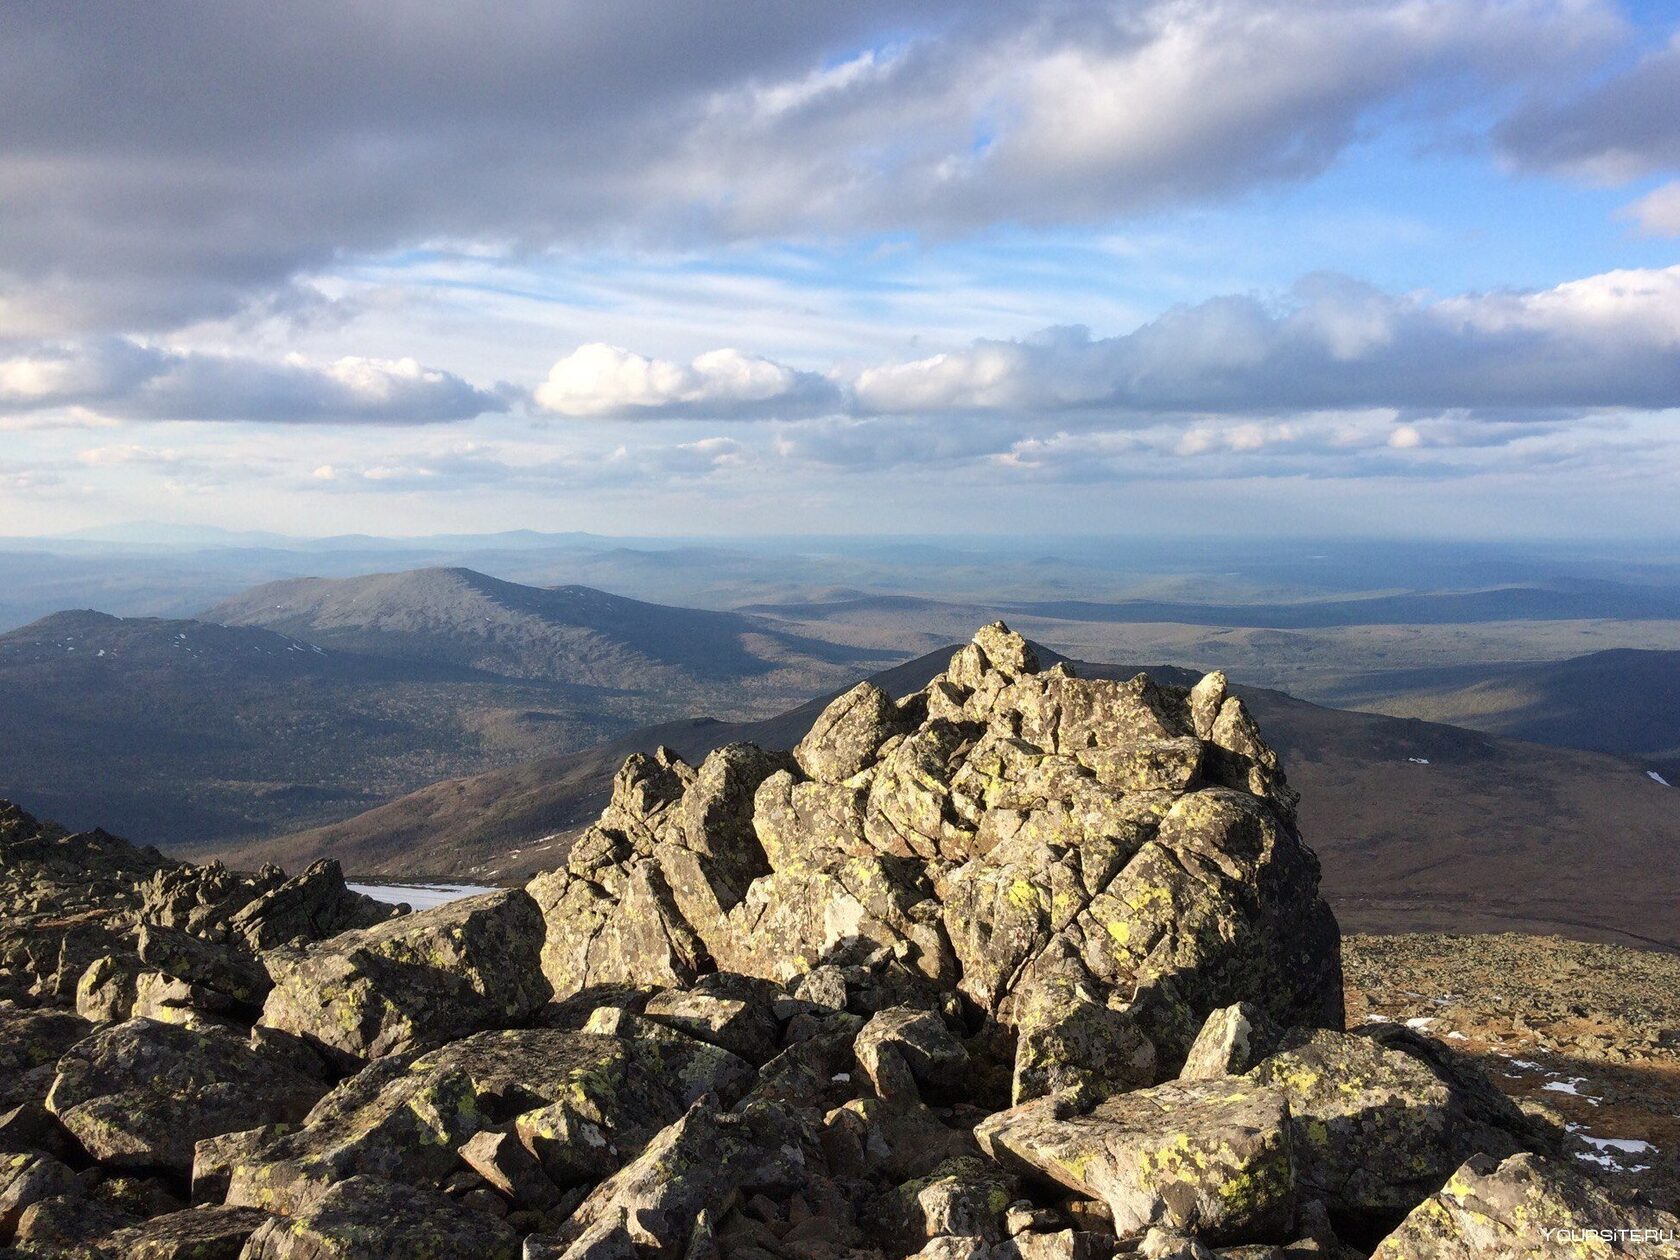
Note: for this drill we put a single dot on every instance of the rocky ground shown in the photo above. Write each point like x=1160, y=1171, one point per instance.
x=1585, y=1036
x=1021, y=967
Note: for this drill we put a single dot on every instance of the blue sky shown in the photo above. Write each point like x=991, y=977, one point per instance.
x=1170, y=266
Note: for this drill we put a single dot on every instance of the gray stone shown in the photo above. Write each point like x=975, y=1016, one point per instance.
x=140, y=1094
x=1210, y=1158
x=421, y=978
x=365, y=1218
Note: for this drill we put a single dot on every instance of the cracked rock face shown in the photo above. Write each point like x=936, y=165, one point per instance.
x=432, y=976
x=140, y=1094
x=1020, y=967
x=1032, y=840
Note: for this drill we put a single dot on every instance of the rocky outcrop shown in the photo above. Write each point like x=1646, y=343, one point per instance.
x=1058, y=851
x=411, y=981
x=1022, y=966
x=74, y=902
x=1527, y=1208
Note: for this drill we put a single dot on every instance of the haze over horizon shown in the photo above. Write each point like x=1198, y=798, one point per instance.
x=1367, y=267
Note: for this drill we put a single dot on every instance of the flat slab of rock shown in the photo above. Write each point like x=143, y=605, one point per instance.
x=705, y=1160
x=1208, y=1157
x=206, y=1233
x=421, y=978
x=1375, y=1129
x=140, y=1094
x=1528, y=1208
x=366, y=1218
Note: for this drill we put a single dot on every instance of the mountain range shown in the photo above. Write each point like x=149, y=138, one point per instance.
x=183, y=731
x=1622, y=701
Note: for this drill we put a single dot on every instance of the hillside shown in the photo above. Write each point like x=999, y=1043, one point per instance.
x=1623, y=701
x=309, y=700
x=1421, y=826
x=572, y=634
x=175, y=732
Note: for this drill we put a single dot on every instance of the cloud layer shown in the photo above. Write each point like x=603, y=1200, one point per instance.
x=1621, y=129
x=121, y=378
x=1605, y=341
x=315, y=129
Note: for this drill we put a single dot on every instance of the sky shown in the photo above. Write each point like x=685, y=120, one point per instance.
x=1165, y=267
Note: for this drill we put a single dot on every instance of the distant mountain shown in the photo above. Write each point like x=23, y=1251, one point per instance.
x=1559, y=602
x=572, y=634
x=176, y=731
x=183, y=732
x=1422, y=826
x=1622, y=701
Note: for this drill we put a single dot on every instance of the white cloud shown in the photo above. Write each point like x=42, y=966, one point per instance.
x=1610, y=340
x=605, y=381
x=121, y=378
x=472, y=466
x=1658, y=212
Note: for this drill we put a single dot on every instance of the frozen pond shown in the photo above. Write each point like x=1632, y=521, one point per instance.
x=420, y=896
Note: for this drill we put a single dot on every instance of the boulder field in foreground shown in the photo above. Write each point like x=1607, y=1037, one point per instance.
x=1020, y=967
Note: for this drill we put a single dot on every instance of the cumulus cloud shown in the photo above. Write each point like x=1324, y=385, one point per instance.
x=119, y=377
x=1621, y=129
x=1611, y=340
x=645, y=122
x=605, y=381
x=1604, y=341
x=1658, y=211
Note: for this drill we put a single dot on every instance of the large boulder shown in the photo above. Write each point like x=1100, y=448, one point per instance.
x=229, y=971
x=706, y=1160
x=411, y=981
x=1376, y=1129
x=31, y=1041
x=206, y=1233
x=1210, y=1157
x=847, y=734
x=365, y=1218
x=1528, y=1208
x=310, y=907
x=140, y=1094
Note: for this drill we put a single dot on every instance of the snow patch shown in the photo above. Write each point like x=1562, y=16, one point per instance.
x=1572, y=1088
x=1606, y=1152
x=420, y=896
x=1652, y=774
x=1418, y=761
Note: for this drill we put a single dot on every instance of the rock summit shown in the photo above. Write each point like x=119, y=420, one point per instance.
x=1022, y=966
